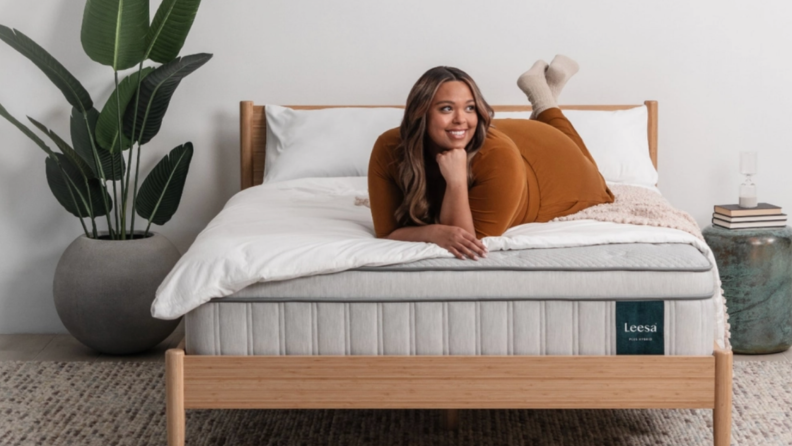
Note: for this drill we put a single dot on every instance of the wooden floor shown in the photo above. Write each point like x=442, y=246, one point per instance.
x=63, y=347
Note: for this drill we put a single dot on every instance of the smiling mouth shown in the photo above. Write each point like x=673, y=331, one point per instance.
x=457, y=134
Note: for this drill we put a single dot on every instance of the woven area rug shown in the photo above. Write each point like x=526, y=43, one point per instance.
x=117, y=403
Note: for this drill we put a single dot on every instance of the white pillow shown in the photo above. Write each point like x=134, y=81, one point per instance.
x=337, y=142
x=333, y=142
x=616, y=139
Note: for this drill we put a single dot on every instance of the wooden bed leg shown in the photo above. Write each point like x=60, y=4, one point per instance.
x=451, y=419
x=722, y=412
x=174, y=401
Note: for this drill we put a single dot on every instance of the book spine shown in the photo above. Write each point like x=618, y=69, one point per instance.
x=748, y=225
x=734, y=210
x=721, y=223
x=751, y=218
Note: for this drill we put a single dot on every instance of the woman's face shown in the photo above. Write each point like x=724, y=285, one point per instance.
x=452, y=118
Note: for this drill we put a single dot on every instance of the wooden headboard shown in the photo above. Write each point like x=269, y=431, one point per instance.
x=253, y=131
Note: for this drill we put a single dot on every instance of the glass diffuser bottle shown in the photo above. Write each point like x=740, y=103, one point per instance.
x=748, y=188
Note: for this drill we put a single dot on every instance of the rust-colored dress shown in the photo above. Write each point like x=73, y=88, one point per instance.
x=526, y=171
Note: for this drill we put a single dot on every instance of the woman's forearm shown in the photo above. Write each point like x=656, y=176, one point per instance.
x=455, y=210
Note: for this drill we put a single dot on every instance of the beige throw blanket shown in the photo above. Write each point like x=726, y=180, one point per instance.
x=637, y=205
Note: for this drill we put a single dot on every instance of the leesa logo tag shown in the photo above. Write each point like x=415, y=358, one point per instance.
x=639, y=328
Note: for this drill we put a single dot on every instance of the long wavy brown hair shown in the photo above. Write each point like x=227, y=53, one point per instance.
x=412, y=174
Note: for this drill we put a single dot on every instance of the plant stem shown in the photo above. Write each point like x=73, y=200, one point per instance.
x=76, y=206
x=137, y=166
x=70, y=184
x=134, y=191
x=90, y=205
x=85, y=229
x=126, y=188
x=101, y=171
x=129, y=162
x=121, y=228
x=115, y=197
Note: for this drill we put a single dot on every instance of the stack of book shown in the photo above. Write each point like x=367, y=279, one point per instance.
x=764, y=215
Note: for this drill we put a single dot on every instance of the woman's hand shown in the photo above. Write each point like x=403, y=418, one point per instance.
x=457, y=241
x=453, y=166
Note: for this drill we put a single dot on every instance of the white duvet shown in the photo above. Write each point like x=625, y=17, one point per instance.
x=297, y=228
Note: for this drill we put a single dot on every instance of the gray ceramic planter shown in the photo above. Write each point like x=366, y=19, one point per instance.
x=103, y=292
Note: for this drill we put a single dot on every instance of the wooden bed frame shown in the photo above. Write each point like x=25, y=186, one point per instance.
x=441, y=382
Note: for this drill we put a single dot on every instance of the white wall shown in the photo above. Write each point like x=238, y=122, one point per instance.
x=721, y=70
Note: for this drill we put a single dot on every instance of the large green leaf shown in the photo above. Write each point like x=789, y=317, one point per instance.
x=169, y=29
x=114, y=32
x=155, y=95
x=24, y=129
x=81, y=138
x=67, y=184
x=159, y=195
x=107, y=125
x=66, y=149
x=75, y=93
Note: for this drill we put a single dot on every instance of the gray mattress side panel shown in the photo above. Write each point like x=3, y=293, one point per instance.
x=432, y=328
x=363, y=286
x=609, y=257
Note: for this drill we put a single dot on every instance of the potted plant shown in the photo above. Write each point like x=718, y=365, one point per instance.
x=106, y=279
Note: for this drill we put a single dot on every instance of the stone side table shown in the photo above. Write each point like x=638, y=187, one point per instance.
x=756, y=270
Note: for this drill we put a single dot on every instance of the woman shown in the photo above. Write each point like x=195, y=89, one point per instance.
x=452, y=175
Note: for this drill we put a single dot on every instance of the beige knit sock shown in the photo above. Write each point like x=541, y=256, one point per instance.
x=558, y=73
x=534, y=85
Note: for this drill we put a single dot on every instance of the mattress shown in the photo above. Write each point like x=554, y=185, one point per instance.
x=561, y=301
x=630, y=271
